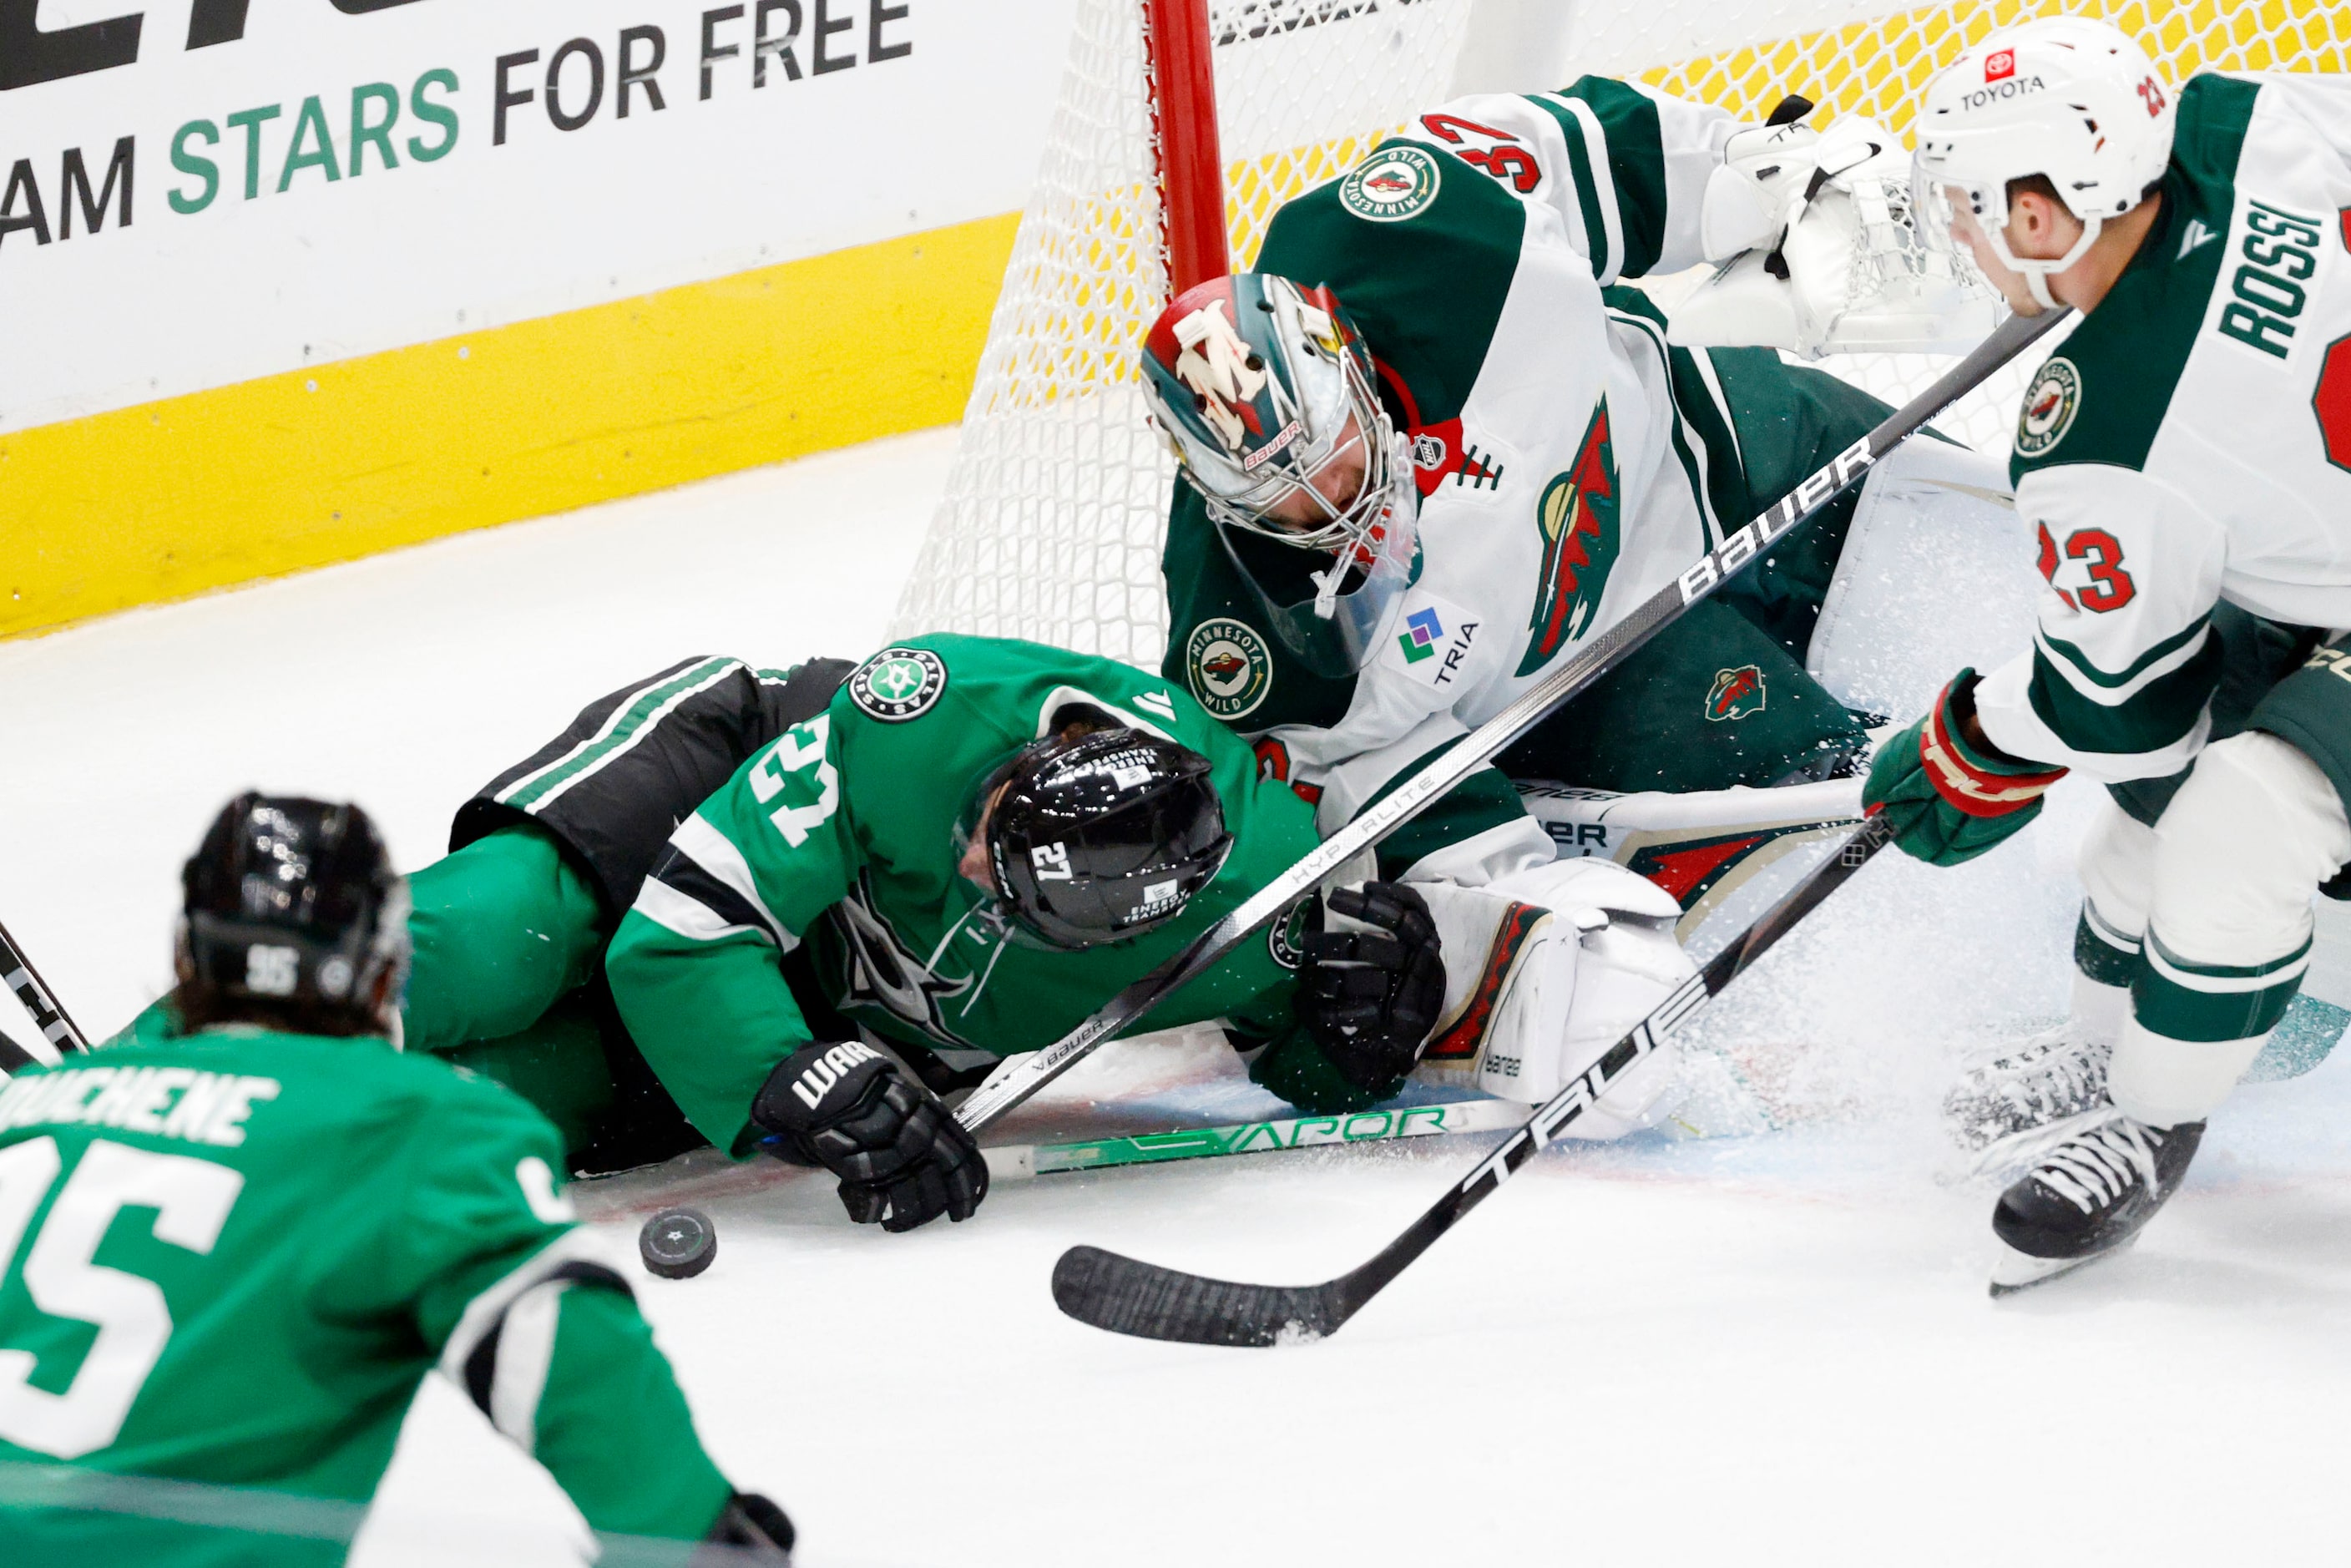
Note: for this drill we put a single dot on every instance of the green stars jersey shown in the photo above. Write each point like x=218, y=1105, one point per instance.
x=230, y=1259
x=2189, y=444
x=843, y=837
x=1569, y=462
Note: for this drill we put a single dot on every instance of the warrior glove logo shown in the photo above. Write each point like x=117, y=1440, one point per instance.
x=816, y=1080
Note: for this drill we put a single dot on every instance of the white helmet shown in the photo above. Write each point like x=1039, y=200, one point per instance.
x=2073, y=100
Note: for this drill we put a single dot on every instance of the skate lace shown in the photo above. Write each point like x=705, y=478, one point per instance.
x=2050, y=1072
x=2095, y=1169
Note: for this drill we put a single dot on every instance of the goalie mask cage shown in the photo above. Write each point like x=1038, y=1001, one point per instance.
x=1055, y=506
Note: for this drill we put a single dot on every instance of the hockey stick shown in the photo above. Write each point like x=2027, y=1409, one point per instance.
x=15, y=1058
x=41, y=1003
x=1022, y=1162
x=1022, y=1076
x=1126, y=1296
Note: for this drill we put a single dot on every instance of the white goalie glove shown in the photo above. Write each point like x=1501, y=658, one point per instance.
x=1545, y=969
x=1818, y=253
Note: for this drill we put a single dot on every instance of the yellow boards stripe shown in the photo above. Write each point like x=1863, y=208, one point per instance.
x=342, y=460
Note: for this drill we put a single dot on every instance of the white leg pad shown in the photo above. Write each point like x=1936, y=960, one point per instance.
x=1601, y=958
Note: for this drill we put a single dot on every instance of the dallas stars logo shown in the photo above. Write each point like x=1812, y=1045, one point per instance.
x=1577, y=519
x=898, y=683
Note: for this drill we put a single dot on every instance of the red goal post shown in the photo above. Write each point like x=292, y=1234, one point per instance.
x=1182, y=125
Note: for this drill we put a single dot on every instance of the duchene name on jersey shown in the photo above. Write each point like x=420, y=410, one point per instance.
x=162, y=1101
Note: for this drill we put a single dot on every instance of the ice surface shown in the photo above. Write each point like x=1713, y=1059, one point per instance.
x=1760, y=1349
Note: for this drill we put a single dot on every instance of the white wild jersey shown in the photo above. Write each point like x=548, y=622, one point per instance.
x=1569, y=464
x=2190, y=443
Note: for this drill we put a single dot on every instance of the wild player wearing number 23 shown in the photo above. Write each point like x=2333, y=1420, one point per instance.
x=2185, y=458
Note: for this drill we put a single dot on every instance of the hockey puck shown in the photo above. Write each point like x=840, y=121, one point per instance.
x=678, y=1243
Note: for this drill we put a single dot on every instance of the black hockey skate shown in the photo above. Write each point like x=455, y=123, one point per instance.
x=2004, y=1111
x=2087, y=1197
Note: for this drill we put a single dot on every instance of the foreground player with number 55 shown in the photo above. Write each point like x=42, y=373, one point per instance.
x=2186, y=458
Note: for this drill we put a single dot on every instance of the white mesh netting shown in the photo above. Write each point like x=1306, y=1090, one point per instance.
x=1050, y=526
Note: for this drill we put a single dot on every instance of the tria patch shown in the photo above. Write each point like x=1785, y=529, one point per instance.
x=1397, y=182
x=1735, y=695
x=2050, y=404
x=1228, y=666
x=1576, y=517
x=1422, y=632
x=899, y=683
x=1435, y=640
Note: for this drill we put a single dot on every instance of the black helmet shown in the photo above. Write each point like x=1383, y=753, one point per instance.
x=1106, y=835
x=293, y=909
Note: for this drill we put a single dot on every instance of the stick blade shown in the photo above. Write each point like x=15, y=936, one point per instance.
x=1129, y=1297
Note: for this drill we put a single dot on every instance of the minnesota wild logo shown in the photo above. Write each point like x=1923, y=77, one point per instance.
x=1735, y=694
x=2048, y=409
x=1577, y=519
x=898, y=683
x=1397, y=182
x=1228, y=666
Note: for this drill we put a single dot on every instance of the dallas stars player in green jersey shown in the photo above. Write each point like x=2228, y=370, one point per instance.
x=777, y=924
x=2186, y=459
x=230, y=1257
x=974, y=847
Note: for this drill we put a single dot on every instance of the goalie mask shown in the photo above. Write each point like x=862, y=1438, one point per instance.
x=2070, y=100
x=1105, y=836
x=1263, y=389
x=293, y=904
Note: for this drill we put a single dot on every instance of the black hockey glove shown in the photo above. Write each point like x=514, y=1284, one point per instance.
x=1369, y=999
x=902, y=1158
x=756, y=1530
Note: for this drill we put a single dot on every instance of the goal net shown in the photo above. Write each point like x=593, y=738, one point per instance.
x=1050, y=526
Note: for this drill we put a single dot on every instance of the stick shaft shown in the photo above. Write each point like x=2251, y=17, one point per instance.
x=47, y=1013
x=1022, y=1076
x=1019, y=1162
x=1562, y=1110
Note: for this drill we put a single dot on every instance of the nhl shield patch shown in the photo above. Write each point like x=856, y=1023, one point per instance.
x=1735, y=694
x=2049, y=403
x=1228, y=666
x=1397, y=182
x=898, y=683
